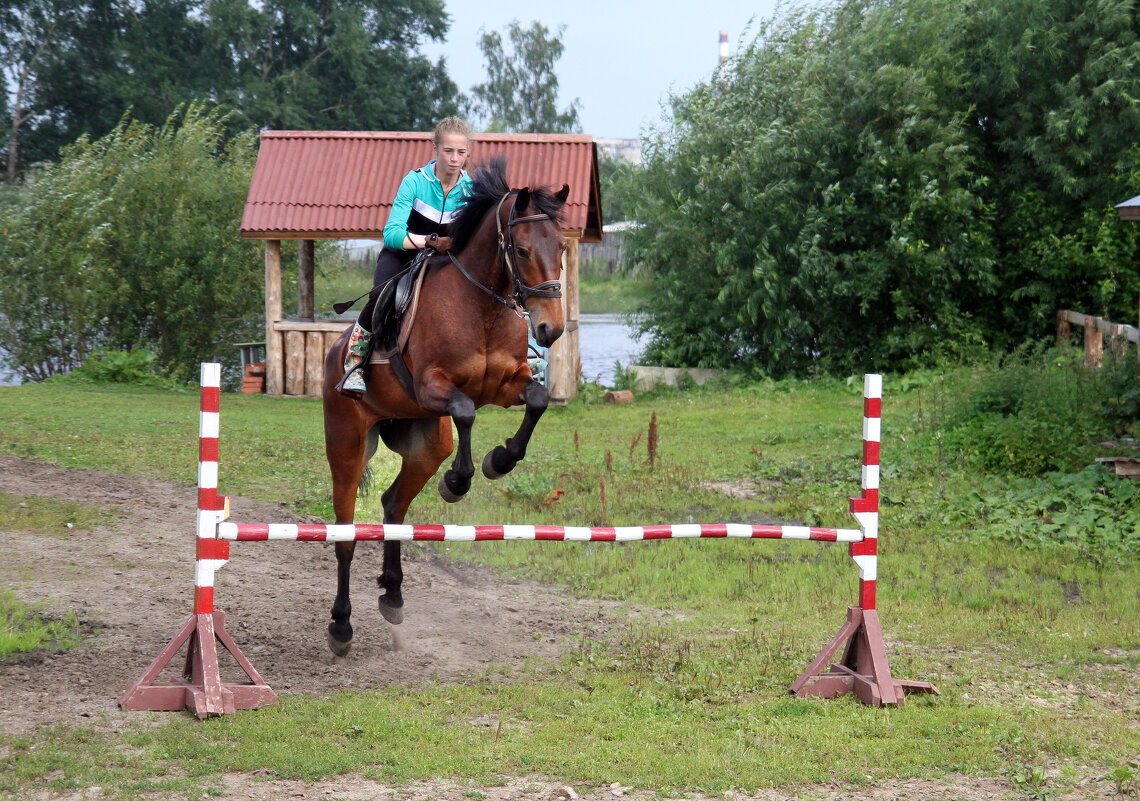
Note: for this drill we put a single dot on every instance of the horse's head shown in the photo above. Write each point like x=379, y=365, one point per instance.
x=534, y=245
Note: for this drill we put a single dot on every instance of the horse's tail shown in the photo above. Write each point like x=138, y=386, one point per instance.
x=371, y=442
x=365, y=485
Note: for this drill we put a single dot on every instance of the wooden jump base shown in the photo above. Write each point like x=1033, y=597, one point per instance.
x=862, y=668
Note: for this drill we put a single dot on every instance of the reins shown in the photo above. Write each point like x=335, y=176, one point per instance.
x=522, y=292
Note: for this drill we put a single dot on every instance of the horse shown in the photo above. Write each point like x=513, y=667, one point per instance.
x=467, y=349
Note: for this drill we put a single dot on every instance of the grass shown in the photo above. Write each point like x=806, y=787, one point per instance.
x=1036, y=650
x=23, y=629
x=614, y=295
x=35, y=515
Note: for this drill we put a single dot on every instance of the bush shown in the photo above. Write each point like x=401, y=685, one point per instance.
x=131, y=242
x=1038, y=412
x=139, y=367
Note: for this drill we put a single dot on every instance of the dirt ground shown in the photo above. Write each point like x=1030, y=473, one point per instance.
x=131, y=584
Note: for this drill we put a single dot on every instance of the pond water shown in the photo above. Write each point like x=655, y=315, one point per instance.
x=7, y=377
x=604, y=339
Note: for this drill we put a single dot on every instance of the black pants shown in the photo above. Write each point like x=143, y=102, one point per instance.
x=388, y=265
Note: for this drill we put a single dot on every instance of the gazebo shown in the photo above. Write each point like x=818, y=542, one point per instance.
x=311, y=185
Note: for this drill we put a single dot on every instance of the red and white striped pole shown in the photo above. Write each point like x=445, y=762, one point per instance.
x=211, y=553
x=866, y=507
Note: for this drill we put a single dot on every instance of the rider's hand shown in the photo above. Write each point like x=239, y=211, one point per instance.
x=440, y=244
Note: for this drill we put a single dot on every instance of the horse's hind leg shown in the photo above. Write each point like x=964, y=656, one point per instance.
x=423, y=444
x=348, y=449
x=503, y=458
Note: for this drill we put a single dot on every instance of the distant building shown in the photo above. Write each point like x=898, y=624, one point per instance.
x=622, y=149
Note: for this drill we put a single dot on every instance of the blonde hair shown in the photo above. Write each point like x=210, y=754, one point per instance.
x=451, y=125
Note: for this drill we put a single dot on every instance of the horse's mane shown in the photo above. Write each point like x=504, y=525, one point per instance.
x=488, y=185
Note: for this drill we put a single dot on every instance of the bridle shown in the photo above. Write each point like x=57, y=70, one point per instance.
x=521, y=292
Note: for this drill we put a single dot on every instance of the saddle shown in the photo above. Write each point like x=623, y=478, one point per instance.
x=395, y=310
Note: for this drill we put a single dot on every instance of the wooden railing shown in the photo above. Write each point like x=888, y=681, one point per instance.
x=1119, y=335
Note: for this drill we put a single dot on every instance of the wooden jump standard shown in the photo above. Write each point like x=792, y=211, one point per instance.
x=862, y=668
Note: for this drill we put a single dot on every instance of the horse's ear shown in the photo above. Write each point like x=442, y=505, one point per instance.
x=563, y=193
x=522, y=200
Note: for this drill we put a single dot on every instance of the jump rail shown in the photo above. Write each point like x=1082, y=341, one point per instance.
x=862, y=669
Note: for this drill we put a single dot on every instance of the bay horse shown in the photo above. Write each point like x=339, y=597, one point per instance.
x=467, y=349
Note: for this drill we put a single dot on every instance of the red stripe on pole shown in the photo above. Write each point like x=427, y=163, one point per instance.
x=207, y=449
x=211, y=399
x=309, y=532
x=549, y=533
x=865, y=504
x=872, y=407
x=252, y=531
x=867, y=594
x=213, y=549
x=715, y=530
x=870, y=452
x=208, y=499
x=600, y=534
x=430, y=533
x=657, y=532
x=824, y=534
x=203, y=600
x=868, y=547
x=489, y=533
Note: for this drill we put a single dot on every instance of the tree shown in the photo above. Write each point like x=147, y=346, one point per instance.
x=521, y=92
x=309, y=64
x=814, y=206
x=30, y=32
x=340, y=65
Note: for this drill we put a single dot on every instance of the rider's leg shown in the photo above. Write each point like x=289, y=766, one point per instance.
x=388, y=265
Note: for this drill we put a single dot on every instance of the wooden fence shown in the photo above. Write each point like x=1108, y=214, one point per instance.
x=1096, y=328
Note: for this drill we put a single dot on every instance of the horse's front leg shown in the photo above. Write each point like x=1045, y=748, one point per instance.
x=503, y=458
x=457, y=480
x=340, y=629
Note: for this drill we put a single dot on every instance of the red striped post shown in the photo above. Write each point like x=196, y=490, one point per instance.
x=865, y=508
x=211, y=553
x=201, y=688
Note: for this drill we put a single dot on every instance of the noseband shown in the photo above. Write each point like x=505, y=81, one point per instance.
x=521, y=292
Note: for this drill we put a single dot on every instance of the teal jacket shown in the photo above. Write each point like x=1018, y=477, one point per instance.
x=420, y=207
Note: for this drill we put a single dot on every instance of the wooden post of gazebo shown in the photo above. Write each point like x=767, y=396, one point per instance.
x=274, y=348
x=563, y=359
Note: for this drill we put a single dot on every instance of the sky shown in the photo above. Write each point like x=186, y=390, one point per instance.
x=621, y=60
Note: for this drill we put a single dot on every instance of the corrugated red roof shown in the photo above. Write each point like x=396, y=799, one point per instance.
x=340, y=184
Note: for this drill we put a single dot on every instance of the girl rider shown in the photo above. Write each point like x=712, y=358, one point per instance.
x=425, y=204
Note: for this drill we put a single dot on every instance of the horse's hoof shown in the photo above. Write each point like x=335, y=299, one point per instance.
x=489, y=464
x=393, y=614
x=446, y=493
x=337, y=647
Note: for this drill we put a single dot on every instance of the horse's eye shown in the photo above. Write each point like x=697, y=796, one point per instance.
x=523, y=253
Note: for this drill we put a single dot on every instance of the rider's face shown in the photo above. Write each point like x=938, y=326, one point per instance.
x=451, y=152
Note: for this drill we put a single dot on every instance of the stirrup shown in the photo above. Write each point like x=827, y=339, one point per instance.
x=350, y=392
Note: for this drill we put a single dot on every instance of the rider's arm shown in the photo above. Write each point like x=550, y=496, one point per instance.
x=396, y=234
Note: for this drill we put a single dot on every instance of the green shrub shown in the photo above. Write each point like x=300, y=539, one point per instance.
x=131, y=242
x=122, y=367
x=1036, y=412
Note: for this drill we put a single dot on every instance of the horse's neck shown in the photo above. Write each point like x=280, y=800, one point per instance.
x=480, y=257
